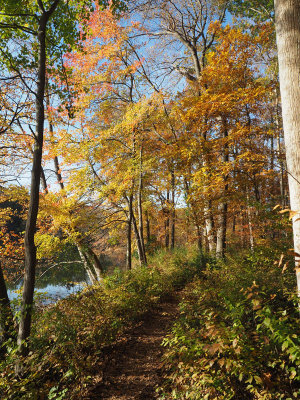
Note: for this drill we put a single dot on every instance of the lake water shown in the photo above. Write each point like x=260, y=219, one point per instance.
x=55, y=283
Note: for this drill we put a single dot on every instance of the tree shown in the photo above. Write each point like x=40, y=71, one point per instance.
x=41, y=26
x=287, y=21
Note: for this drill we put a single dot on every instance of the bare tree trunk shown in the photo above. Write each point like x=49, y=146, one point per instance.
x=85, y=262
x=167, y=222
x=138, y=241
x=96, y=264
x=57, y=172
x=221, y=231
x=173, y=211
x=209, y=226
x=129, y=225
x=222, y=208
x=148, y=228
x=199, y=237
x=287, y=16
x=140, y=207
x=51, y=130
x=30, y=248
x=44, y=182
x=250, y=223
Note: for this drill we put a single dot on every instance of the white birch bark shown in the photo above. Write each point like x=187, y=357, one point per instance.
x=287, y=20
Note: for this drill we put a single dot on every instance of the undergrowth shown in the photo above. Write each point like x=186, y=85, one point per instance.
x=68, y=337
x=238, y=333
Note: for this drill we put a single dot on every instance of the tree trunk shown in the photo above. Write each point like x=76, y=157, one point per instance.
x=7, y=328
x=287, y=17
x=148, y=228
x=191, y=204
x=95, y=263
x=51, y=130
x=30, y=248
x=167, y=222
x=279, y=154
x=57, y=172
x=44, y=182
x=138, y=241
x=222, y=208
x=173, y=212
x=129, y=226
x=250, y=223
x=209, y=226
x=85, y=262
x=221, y=231
x=199, y=237
x=140, y=207
x=281, y=175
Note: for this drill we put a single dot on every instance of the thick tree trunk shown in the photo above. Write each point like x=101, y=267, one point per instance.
x=95, y=263
x=30, y=248
x=287, y=21
x=86, y=265
x=281, y=176
x=140, y=207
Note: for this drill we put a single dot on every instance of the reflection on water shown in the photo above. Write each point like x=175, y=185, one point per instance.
x=55, y=282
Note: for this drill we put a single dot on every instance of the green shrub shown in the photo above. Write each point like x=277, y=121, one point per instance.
x=237, y=336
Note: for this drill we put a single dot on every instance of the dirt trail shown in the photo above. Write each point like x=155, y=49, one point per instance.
x=132, y=367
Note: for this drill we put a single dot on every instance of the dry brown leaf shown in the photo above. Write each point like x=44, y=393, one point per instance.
x=280, y=260
x=284, y=267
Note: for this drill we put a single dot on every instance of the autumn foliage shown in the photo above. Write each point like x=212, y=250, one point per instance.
x=161, y=132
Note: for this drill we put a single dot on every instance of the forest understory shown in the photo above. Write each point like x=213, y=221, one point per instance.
x=186, y=327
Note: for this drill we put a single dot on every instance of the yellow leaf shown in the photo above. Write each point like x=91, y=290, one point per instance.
x=284, y=211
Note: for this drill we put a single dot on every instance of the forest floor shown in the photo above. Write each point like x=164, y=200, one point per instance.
x=132, y=367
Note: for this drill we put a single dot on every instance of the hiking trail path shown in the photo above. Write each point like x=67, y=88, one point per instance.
x=132, y=366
